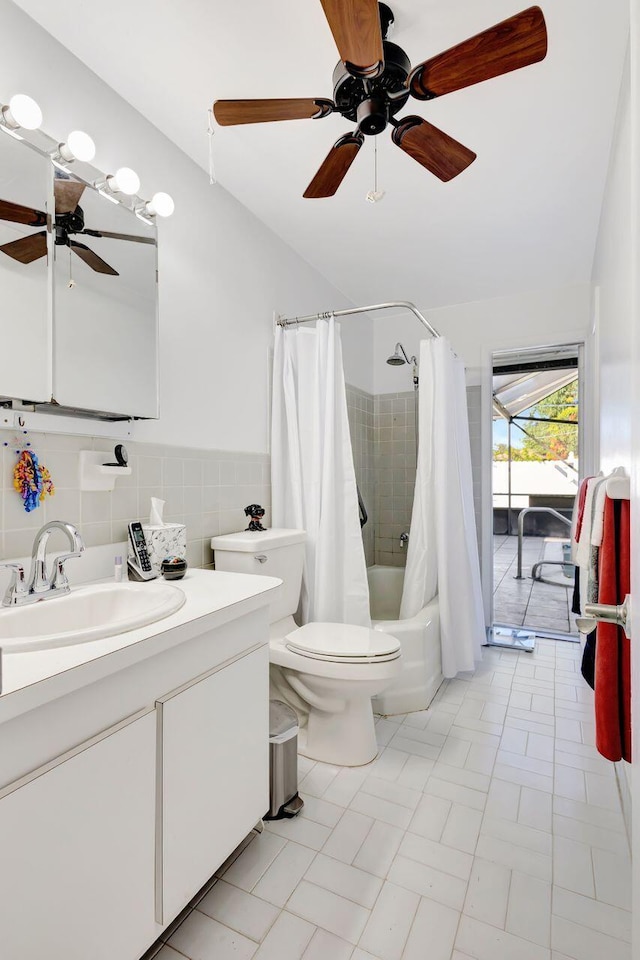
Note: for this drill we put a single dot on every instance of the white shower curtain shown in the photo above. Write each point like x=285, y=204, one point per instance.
x=443, y=553
x=312, y=474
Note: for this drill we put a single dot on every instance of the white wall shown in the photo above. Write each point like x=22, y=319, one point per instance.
x=222, y=271
x=474, y=329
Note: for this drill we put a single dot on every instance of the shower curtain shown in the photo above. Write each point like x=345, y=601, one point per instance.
x=443, y=553
x=312, y=474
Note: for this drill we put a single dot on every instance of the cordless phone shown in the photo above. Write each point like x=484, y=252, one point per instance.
x=140, y=563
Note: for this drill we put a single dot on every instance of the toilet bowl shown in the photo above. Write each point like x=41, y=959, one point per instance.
x=328, y=672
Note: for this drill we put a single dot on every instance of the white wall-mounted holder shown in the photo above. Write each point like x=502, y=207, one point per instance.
x=94, y=475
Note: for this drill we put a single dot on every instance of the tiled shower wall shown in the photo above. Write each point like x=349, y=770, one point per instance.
x=205, y=489
x=395, y=458
x=383, y=433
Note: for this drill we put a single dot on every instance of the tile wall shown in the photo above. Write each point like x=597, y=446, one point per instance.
x=395, y=459
x=383, y=434
x=205, y=489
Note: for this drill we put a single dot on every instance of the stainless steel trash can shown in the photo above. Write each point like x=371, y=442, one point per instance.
x=283, y=762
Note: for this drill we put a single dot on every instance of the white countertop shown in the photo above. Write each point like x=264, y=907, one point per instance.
x=212, y=598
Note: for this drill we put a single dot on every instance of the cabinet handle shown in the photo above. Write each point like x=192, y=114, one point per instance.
x=261, y=558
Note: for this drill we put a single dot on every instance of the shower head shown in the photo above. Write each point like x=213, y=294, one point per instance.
x=397, y=360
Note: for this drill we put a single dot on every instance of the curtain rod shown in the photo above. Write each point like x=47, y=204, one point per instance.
x=403, y=304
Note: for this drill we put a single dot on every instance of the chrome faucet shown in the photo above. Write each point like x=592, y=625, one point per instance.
x=40, y=585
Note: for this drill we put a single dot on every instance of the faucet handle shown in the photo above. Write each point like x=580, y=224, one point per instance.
x=60, y=581
x=17, y=585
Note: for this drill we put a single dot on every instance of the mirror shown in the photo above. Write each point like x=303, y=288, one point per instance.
x=78, y=316
x=25, y=335
x=105, y=343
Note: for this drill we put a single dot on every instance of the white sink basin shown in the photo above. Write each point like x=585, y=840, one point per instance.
x=87, y=613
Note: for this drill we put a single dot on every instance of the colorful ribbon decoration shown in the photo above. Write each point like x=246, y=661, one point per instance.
x=32, y=480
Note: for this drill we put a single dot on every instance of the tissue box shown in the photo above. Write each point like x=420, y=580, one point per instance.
x=169, y=540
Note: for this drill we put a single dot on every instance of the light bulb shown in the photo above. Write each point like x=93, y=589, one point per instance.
x=161, y=205
x=125, y=180
x=79, y=146
x=22, y=111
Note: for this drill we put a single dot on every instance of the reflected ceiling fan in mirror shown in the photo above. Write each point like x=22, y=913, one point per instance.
x=374, y=80
x=69, y=223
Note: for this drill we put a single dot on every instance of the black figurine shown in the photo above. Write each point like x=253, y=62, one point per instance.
x=256, y=512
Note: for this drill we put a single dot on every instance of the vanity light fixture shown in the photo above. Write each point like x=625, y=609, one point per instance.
x=125, y=180
x=79, y=146
x=160, y=205
x=22, y=112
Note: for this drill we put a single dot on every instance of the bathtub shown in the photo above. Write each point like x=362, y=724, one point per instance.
x=419, y=638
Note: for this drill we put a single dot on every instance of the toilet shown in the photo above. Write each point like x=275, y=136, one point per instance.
x=328, y=672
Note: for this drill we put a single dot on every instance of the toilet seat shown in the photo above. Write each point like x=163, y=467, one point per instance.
x=342, y=643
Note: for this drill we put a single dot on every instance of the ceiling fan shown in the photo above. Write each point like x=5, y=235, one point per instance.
x=69, y=222
x=374, y=80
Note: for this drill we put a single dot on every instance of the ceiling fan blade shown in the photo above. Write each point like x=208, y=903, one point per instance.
x=514, y=43
x=115, y=236
x=92, y=259
x=335, y=166
x=16, y=213
x=355, y=25
x=27, y=249
x=230, y=112
x=434, y=149
x=67, y=194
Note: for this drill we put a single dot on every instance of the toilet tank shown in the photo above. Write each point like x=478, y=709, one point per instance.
x=271, y=553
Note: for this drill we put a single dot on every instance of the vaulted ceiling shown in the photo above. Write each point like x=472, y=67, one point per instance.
x=523, y=216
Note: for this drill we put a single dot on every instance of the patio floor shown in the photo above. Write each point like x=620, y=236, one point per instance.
x=529, y=603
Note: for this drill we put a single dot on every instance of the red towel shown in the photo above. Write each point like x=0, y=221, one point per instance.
x=613, y=649
x=582, y=496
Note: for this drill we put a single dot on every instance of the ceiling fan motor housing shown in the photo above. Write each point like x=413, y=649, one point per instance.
x=67, y=223
x=367, y=102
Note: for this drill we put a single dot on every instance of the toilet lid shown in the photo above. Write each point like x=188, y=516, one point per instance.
x=343, y=641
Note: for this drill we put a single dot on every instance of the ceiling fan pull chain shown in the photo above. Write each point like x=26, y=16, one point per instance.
x=374, y=195
x=72, y=282
x=210, y=133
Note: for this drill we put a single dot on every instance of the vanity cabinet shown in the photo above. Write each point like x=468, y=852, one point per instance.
x=77, y=850
x=214, y=758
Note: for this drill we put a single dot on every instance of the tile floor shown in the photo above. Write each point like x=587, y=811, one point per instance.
x=487, y=828
x=528, y=602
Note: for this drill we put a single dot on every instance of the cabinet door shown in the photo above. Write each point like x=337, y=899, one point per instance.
x=215, y=772
x=77, y=852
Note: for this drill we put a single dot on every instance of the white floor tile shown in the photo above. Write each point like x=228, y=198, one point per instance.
x=447, y=790
x=488, y=892
x=393, y=791
x=481, y=758
x=540, y=747
x=536, y=809
x=572, y=867
x=529, y=910
x=428, y=882
x=415, y=772
x=388, y=928
x=307, y=832
x=282, y=877
x=239, y=910
x=346, y=784
x=389, y=763
x=602, y=791
x=582, y=943
x=416, y=747
x=484, y=942
x=379, y=848
x=339, y=916
x=518, y=834
x=570, y=783
x=250, y=866
x=322, y=812
x=612, y=878
x=318, y=779
x=287, y=939
x=585, y=813
x=436, y=855
x=380, y=809
x=201, y=938
x=503, y=800
x=455, y=752
x=168, y=953
x=348, y=836
x=589, y=913
x=611, y=840
x=326, y=946
x=385, y=730
x=525, y=778
x=430, y=817
x=344, y=880
x=433, y=932
x=514, y=857
x=462, y=828
x=527, y=762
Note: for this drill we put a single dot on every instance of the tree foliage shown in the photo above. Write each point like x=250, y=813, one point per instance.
x=546, y=441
